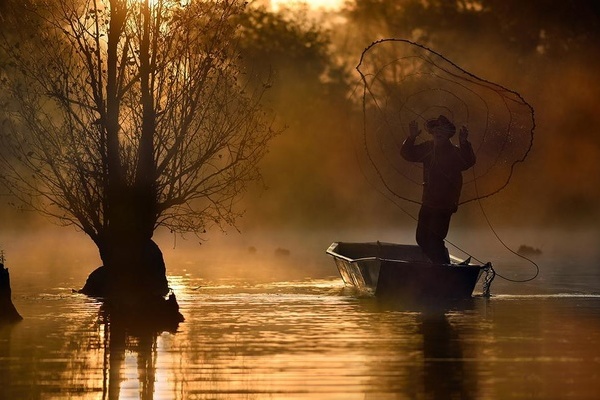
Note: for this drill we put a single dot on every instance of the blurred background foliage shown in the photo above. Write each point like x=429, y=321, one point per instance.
x=546, y=51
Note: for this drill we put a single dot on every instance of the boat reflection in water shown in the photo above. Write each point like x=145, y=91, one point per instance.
x=428, y=359
x=445, y=373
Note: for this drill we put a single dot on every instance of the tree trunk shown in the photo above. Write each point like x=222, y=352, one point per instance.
x=133, y=284
x=133, y=267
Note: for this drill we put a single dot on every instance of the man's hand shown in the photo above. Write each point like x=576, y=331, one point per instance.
x=413, y=130
x=463, y=135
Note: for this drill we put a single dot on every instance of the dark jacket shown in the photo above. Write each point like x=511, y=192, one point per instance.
x=442, y=170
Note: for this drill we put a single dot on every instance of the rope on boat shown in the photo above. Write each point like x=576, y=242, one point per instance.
x=536, y=266
x=490, y=274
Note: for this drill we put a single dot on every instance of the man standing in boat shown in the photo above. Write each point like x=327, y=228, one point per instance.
x=443, y=163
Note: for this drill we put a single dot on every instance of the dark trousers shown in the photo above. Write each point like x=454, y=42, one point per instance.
x=432, y=229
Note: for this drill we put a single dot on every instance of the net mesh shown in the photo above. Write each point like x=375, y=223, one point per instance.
x=405, y=81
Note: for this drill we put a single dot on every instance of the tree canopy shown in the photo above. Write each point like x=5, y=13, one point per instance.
x=115, y=99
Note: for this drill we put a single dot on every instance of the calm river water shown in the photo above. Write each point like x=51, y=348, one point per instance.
x=253, y=332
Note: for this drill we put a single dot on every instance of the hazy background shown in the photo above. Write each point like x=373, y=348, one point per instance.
x=313, y=189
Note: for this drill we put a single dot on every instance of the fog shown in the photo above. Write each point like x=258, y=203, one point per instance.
x=48, y=255
x=314, y=190
x=314, y=179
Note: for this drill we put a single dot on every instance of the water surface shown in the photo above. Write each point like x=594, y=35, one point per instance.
x=255, y=335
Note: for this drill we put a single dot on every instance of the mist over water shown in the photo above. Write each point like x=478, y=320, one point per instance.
x=568, y=257
x=268, y=317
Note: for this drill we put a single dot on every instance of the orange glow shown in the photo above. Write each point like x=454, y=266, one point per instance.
x=325, y=4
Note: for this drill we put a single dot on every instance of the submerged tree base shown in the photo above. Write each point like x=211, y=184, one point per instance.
x=96, y=284
x=134, y=290
x=135, y=309
x=8, y=312
x=130, y=275
x=155, y=314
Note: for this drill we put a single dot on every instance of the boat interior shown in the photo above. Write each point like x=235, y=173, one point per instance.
x=388, y=251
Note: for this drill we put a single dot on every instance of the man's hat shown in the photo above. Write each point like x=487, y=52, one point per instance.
x=442, y=123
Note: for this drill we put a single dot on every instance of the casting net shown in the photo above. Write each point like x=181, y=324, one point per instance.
x=405, y=81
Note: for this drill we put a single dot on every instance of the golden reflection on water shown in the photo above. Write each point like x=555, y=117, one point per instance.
x=303, y=339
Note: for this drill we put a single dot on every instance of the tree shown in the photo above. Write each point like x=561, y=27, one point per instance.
x=128, y=115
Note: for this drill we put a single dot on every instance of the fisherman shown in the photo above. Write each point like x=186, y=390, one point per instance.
x=443, y=163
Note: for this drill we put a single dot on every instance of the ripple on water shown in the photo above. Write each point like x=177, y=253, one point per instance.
x=303, y=339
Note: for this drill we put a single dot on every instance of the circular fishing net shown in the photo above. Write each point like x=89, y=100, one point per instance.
x=405, y=81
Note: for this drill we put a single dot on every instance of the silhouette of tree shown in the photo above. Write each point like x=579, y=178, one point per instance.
x=129, y=115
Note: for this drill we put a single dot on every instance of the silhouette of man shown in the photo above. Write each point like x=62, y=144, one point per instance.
x=443, y=163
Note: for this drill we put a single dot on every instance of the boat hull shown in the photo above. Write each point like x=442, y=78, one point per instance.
x=402, y=272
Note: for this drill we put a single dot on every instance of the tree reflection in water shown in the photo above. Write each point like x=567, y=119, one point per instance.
x=122, y=335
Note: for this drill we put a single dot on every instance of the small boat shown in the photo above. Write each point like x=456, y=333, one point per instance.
x=401, y=271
